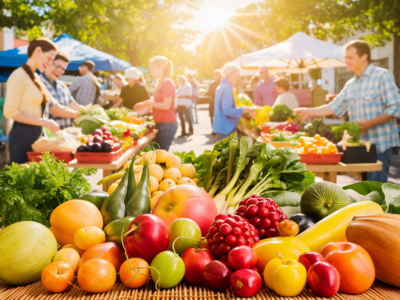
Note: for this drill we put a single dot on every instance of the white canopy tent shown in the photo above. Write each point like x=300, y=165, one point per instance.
x=297, y=54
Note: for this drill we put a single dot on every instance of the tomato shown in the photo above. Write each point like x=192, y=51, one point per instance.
x=195, y=260
x=110, y=252
x=58, y=276
x=86, y=237
x=127, y=277
x=355, y=266
x=242, y=257
x=97, y=276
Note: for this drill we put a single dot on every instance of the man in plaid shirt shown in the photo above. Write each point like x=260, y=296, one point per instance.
x=84, y=88
x=60, y=94
x=371, y=99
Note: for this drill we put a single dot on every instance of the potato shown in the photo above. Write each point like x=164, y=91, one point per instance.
x=162, y=156
x=166, y=184
x=174, y=174
x=188, y=170
x=153, y=184
x=173, y=161
x=157, y=172
x=187, y=181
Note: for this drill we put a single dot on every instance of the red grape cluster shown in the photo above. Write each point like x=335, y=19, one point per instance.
x=228, y=232
x=263, y=213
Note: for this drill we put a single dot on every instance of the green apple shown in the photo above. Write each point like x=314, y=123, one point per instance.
x=171, y=268
x=184, y=227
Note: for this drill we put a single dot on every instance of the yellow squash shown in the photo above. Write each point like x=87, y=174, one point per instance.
x=379, y=235
x=333, y=227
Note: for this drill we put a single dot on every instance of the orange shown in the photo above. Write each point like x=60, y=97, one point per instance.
x=110, y=252
x=301, y=139
x=86, y=237
x=97, y=276
x=325, y=150
x=319, y=151
x=127, y=277
x=317, y=137
x=308, y=145
x=312, y=151
x=58, y=276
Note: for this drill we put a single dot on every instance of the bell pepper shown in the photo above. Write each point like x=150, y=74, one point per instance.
x=354, y=264
x=286, y=277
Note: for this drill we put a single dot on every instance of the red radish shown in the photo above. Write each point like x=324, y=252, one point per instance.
x=243, y=257
x=245, y=283
x=195, y=260
x=148, y=235
x=216, y=274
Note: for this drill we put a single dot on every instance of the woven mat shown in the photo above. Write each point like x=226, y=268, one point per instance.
x=183, y=291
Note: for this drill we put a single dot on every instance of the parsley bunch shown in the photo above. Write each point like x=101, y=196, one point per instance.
x=31, y=192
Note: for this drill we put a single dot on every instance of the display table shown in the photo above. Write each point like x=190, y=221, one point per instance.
x=182, y=291
x=117, y=164
x=329, y=172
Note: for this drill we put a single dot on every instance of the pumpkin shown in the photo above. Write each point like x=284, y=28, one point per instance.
x=379, y=235
x=72, y=215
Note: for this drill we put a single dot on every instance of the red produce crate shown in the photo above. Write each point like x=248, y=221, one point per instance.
x=320, y=159
x=61, y=156
x=98, y=157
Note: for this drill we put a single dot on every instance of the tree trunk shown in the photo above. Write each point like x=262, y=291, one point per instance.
x=396, y=58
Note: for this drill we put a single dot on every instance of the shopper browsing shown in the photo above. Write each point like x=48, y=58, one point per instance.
x=285, y=97
x=183, y=103
x=65, y=106
x=164, y=101
x=371, y=98
x=226, y=114
x=265, y=93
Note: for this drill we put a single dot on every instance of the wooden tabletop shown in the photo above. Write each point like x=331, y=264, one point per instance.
x=342, y=167
x=115, y=165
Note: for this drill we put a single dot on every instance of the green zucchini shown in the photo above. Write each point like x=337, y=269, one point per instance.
x=139, y=204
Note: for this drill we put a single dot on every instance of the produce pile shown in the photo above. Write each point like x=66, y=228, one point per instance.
x=333, y=243
x=263, y=112
x=315, y=145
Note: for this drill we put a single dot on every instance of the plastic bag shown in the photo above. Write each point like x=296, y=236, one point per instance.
x=64, y=142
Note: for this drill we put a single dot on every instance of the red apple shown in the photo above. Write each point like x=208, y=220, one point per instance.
x=186, y=201
x=195, y=260
x=307, y=259
x=245, y=283
x=242, y=257
x=149, y=236
x=217, y=274
x=323, y=279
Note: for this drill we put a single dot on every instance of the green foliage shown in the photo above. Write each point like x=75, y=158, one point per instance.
x=31, y=193
x=353, y=130
x=317, y=126
x=280, y=113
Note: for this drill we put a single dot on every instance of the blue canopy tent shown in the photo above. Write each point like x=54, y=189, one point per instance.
x=77, y=52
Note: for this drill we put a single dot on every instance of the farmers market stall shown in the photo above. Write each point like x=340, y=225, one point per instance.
x=242, y=219
x=182, y=291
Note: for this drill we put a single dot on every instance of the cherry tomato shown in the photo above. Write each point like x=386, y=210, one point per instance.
x=97, y=276
x=127, y=277
x=58, y=276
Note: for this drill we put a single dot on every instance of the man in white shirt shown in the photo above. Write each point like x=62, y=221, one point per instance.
x=285, y=97
x=183, y=104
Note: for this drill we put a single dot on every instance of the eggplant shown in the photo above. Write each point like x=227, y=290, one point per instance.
x=95, y=147
x=105, y=147
x=303, y=221
x=82, y=148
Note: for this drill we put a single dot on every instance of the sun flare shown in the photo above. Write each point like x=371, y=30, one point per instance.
x=217, y=18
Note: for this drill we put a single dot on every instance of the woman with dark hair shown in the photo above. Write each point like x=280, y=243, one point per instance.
x=27, y=98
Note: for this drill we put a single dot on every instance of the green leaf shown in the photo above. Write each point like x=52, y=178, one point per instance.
x=364, y=187
x=377, y=197
x=290, y=210
x=394, y=207
x=391, y=191
x=287, y=199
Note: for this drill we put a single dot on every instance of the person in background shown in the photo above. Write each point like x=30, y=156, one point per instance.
x=183, y=103
x=134, y=92
x=59, y=91
x=164, y=101
x=285, y=97
x=226, y=114
x=253, y=82
x=195, y=98
x=371, y=99
x=142, y=79
x=265, y=93
x=211, y=92
x=86, y=88
x=27, y=98
x=119, y=81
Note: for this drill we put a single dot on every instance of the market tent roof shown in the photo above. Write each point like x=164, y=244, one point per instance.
x=297, y=54
x=77, y=52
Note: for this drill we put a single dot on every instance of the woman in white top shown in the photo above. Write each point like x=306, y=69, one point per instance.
x=285, y=97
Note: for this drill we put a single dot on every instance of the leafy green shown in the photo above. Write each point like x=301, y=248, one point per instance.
x=317, y=126
x=280, y=113
x=353, y=130
x=386, y=195
x=31, y=193
x=287, y=199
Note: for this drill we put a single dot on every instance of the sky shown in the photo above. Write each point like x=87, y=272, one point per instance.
x=211, y=15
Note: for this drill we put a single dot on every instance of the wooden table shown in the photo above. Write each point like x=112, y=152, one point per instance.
x=117, y=164
x=329, y=172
